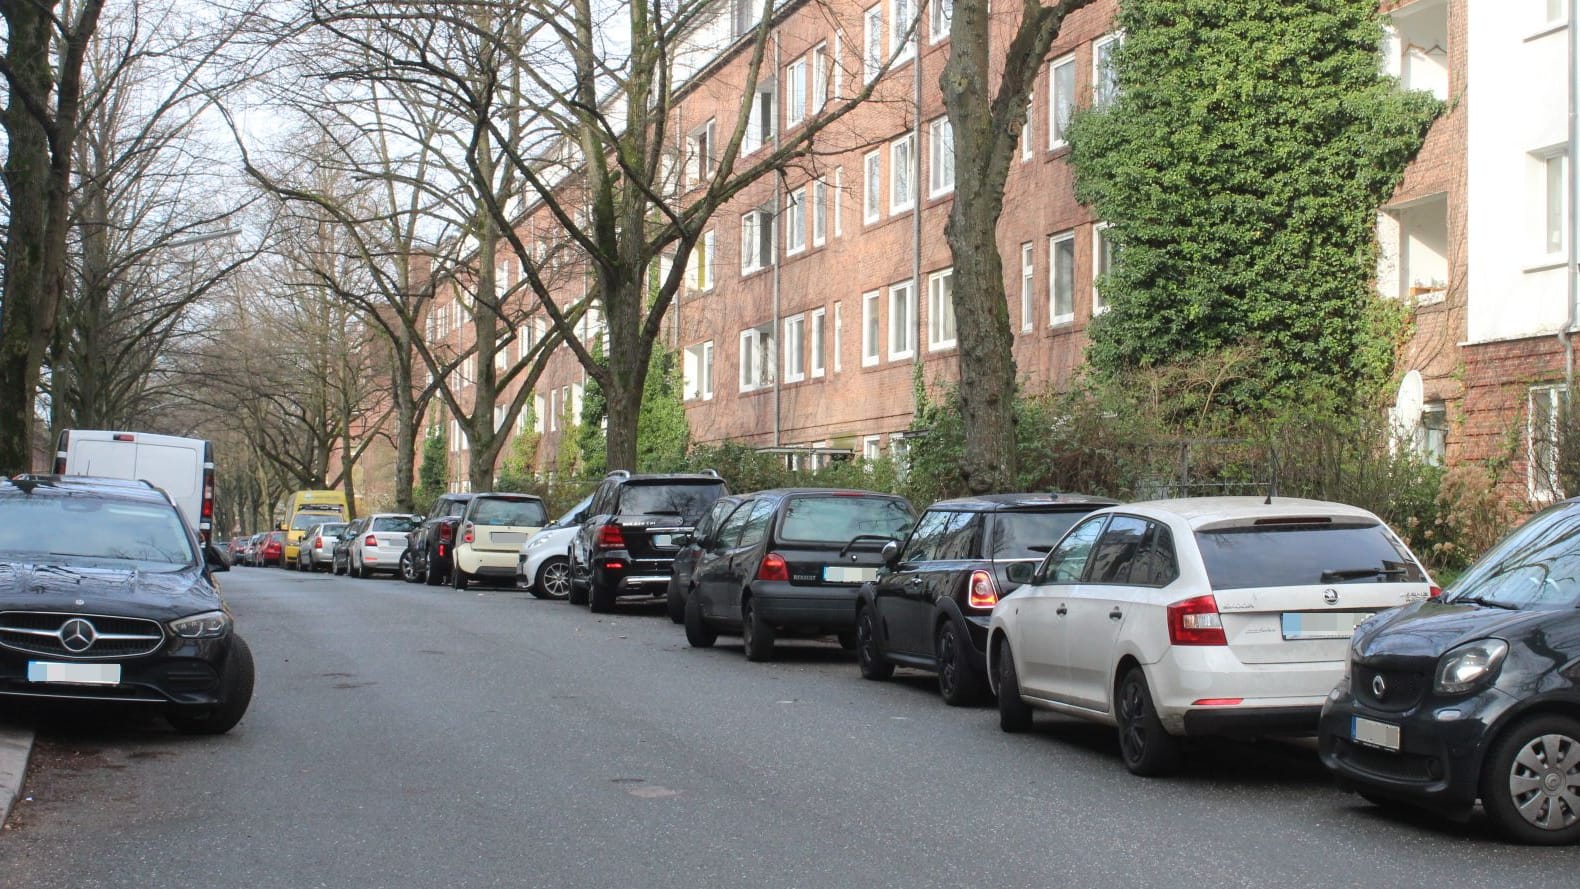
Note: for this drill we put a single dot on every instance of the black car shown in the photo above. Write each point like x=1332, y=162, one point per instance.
x=1474, y=694
x=790, y=561
x=686, y=560
x=930, y=609
x=628, y=543
x=431, y=547
x=340, y=555
x=123, y=607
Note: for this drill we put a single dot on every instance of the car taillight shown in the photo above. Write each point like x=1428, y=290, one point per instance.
x=1434, y=592
x=318, y=543
x=445, y=533
x=610, y=537
x=469, y=531
x=1196, y=622
x=983, y=592
x=370, y=540
x=773, y=568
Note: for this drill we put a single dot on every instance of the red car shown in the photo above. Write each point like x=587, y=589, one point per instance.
x=273, y=550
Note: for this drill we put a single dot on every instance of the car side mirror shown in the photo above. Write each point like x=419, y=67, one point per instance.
x=214, y=559
x=1020, y=572
x=419, y=519
x=891, y=554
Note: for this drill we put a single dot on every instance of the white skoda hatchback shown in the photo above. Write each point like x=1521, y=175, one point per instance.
x=1206, y=616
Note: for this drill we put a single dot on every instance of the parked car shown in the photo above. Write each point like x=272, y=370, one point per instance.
x=236, y=549
x=1208, y=616
x=1475, y=694
x=271, y=551
x=131, y=615
x=686, y=559
x=628, y=543
x=316, y=552
x=340, y=553
x=492, y=530
x=379, y=543
x=930, y=609
x=542, y=567
x=790, y=561
x=430, y=546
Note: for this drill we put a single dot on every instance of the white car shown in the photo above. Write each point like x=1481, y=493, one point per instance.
x=490, y=534
x=379, y=541
x=1207, y=616
x=542, y=566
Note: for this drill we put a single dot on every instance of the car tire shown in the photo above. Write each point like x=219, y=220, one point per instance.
x=1014, y=714
x=553, y=580
x=600, y=598
x=221, y=718
x=757, y=635
x=846, y=640
x=288, y=564
x=868, y=658
x=432, y=577
x=408, y=570
x=578, y=594
x=958, y=680
x=1146, y=748
x=675, y=605
x=1530, y=782
x=459, y=579
x=698, y=633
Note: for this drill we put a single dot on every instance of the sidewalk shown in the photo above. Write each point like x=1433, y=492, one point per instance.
x=15, y=746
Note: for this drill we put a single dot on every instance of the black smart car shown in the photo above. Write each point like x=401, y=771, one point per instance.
x=931, y=608
x=686, y=559
x=106, y=595
x=1475, y=694
x=791, y=561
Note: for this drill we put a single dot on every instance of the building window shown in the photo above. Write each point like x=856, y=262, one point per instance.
x=1025, y=131
x=902, y=315
x=872, y=42
x=1552, y=201
x=902, y=34
x=869, y=328
x=871, y=187
x=1061, y=278
x=1431, y=435
x=837, y=62
x=839, y=339
x=795, y=92
x=757, y=355
x=902, y=157
x=815, y=341
x=1061, y=100
x=1104, y=254
x=941, y=310
x=699, y=154
x=795, y=348
x=578, y=393
x=764, y=121
x=795, y=222
x=701, y=271
x=1541, y=443
x=757, y=240
x=940, y=14
x=819, y=77
x=747, y=14
x=1028, y=287
x=819, y=213
x=870, y=449
x=839, y=201
x=697, y=372
x=1557, y=11
x=1105, y=80
x=941, y=164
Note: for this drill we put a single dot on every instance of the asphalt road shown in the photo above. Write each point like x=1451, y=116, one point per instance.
x=410, y=736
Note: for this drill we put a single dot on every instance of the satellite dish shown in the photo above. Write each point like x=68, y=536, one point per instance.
x=1407, y=405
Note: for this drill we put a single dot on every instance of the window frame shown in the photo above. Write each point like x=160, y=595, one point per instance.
x=817, y=364
x=1056, y=317
x=872, y=187
x=897, y=28
x=760, y=341
x=760, y=216
x=872, y=42
x=940, y=20
x=1028, y=286
x=871, y=328
x=1100, y=97
x=795, y=221
x=902, y=336
x=817, y=190
x=797, y=94
x=1057, y=133
x=1101, y=264
x=902, y=200
x=1543, y=489
x=938, y=130
x=938, y=311
x=794, y=344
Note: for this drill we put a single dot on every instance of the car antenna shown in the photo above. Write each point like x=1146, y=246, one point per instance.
x=1272, y=476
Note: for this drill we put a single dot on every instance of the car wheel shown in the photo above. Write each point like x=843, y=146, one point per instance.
x=1014, y=714
x=698, y=633
x=1146, y=748
x=219, y=719
x=288, y=564
x=757, y=635
x=675, y=604
x=554, y=580
x=958, y=680
x=363, y=572
x=868, y=658
x=578, y=593
x=1530, y=785
x=846, y=640
x=600, y=598
x=458, y=578
x=432, y=576
x=408, y=571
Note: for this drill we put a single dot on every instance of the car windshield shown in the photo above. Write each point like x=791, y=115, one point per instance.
x=1304, y=555
x=503, y=511
x=305, y=520
x=397, y=523
x=1028, y=535
x=1536, y=567
x=97, y=532
x=689, y=501
x=840, y=518
x=569, y=518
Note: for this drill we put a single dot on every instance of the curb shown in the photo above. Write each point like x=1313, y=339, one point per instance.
x=16, y=745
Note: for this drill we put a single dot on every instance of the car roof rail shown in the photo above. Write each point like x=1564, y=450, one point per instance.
x=619, y=473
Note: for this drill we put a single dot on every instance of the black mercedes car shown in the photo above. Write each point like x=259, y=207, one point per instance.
x=1475, y=694
x=627, y=544
x=106, y=595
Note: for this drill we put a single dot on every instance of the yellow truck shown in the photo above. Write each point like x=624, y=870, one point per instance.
x=300, y=511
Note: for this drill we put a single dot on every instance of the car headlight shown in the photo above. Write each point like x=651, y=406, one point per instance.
x=208, y=625
x=1467, y=666
x=535, y=542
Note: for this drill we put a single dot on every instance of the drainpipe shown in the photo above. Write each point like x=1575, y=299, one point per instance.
x=1573, y=266
x=778, y=259
x=916, y=211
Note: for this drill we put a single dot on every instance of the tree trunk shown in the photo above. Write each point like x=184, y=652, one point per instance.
x=406, y=428
x=626, y=376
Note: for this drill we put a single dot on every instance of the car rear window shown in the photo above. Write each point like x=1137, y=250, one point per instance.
x=1303, y=554
x=500, y=511
x=689, y=501
x=1026, y=535
x=72, y=530
x=393, y=523
x=838, y=518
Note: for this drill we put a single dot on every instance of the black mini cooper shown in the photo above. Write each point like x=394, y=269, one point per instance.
x=106, y=595
x=1476, y=694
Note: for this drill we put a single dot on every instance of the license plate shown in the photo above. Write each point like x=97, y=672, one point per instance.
x=1374, y=734
x=848, y=574
x=507, y=538
x=662, y=539
x=74, y=674
x=1322, y=624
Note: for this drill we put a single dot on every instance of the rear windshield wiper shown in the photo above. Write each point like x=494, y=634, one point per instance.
x=1353, y=573
x=662, y=512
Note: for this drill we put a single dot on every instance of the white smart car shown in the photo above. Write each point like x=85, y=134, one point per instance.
x=1206, y=616
x=542, y=567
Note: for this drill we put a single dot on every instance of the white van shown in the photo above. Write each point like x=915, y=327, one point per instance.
x=183, y=467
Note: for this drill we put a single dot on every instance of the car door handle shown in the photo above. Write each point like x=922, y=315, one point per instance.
x=1116, y=614
x=1063, y=610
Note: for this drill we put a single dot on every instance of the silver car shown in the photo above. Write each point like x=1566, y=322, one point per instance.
x=379, y=543
x=317, y=550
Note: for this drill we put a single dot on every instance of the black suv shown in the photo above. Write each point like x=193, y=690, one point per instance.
x=106, y=595
x=791, y=560
x=431, y=547
x=634, y=528
x=931, y=607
